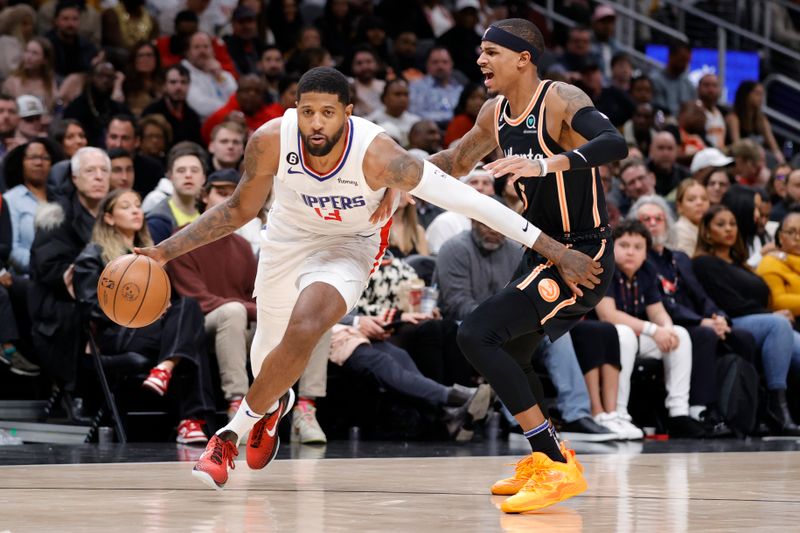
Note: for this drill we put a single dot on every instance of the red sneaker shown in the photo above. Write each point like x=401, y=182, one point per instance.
x=158, y=380
x=191, y=432
x=263, y=443
x=212, y=468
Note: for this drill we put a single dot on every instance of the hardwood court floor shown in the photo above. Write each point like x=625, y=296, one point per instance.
x=652, y=492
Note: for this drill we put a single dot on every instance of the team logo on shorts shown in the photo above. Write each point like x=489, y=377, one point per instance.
x=548, y=290
x=292, y=158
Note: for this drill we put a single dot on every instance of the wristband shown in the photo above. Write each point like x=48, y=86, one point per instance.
x=649, y=329
x=542, y=167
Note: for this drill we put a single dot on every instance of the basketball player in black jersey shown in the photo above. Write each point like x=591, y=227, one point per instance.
x=553, y=140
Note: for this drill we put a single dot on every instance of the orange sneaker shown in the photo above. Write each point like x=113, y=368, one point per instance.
x=551, y=482
x=212, y=467
x=522, y=473
x=263, y=442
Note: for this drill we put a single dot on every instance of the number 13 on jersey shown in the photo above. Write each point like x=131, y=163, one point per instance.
x=329, y=215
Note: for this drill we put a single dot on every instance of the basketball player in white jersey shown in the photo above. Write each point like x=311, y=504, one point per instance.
x=329, y=171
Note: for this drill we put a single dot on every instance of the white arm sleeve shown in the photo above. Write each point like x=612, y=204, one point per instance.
x=443, y=190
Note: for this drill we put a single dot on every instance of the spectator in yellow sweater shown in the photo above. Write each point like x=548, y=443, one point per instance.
x=781, y=268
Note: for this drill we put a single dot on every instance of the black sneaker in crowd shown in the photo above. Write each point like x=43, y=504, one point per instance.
x=685, y=427
x=585, y=430
x=714, y=425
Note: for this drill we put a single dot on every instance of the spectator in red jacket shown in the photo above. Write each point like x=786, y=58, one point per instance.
x=248, y=100
x=220, y=278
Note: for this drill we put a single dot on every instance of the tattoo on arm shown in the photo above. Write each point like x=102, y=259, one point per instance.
x=403, y=171
x=444, y=160
x=574, y=100
x=212, y=225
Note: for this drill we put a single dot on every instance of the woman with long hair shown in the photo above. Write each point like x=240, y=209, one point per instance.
x=747, y=120
x=407, y=236
x=473, y=95
x=144, y=79
x=35, y=74
x=16, y=29
x=26, y=170
x=717, y=184
x=691, y=202
x=174, y=343
x=720, y=266
x=70, y=136
x=745, y=204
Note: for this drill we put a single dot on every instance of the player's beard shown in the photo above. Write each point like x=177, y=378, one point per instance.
x=320, y=151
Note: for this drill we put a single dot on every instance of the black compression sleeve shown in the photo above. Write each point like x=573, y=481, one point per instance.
x=605, y=142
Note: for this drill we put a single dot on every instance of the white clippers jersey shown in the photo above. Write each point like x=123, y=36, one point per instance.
x=339, y=202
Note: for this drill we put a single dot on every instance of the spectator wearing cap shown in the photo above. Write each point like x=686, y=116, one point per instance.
x=604, y=45
x=782, y=208
x=220, y=277
x=708, y=94
x=184, y=120
x=671, y=86
x=615, y=103
x=707, y=161
x=463, y=40
x=211, y=85
x=248, y=100
x=243, y=44
x=31, y=114
x=187, y=174
x=435, y=96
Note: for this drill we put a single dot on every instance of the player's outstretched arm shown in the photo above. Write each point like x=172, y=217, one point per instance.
x=473, y=146
x=388, y=165
x=588, y=134
x=260, y=165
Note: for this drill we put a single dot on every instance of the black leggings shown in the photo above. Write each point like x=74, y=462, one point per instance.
x=499, y=338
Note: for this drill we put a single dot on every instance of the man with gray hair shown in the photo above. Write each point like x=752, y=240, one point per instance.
x=689, y=306
x=63, y=229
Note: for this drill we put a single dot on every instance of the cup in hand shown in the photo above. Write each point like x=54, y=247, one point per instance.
x=430, y=295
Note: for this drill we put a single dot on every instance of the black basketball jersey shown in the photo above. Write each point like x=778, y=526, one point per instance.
x=560, y=203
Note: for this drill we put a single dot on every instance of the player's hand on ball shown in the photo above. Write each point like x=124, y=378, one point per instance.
x=577, y=268
x=516, y=166
x=154, y=253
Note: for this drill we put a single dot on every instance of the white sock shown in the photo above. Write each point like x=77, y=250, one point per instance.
x=696, y=410
x=243, y=421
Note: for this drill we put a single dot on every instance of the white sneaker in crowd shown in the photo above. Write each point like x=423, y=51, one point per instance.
x=305, y=428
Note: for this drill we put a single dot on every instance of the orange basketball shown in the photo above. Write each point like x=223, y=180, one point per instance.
x=133, y=290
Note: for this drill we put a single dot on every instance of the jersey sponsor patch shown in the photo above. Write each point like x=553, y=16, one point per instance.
x=549, y=290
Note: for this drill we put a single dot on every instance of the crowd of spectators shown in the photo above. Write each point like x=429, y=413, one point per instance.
x=122, y=121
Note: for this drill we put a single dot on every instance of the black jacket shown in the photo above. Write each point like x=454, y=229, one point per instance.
x=186, y=128
x=683, y=296
x=62, y=230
